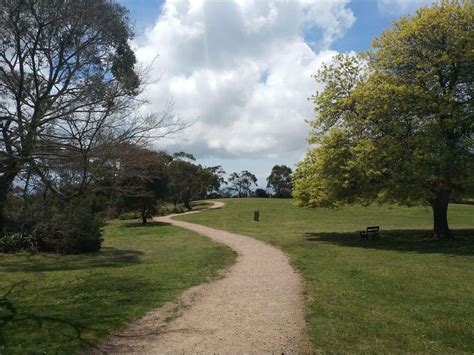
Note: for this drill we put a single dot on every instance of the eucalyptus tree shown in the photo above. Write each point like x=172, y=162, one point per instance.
x=242, y=183
x=281, y=181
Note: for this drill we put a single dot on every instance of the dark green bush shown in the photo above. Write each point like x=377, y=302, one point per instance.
x=52, y=225
x=11, y=243
x=77, y=230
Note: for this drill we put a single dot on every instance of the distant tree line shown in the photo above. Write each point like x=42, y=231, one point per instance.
x=244, y=184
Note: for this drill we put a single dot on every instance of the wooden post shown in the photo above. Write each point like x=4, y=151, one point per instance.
x=256, y=216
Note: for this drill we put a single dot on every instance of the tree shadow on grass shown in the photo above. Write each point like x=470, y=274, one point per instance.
x=66, y=327
x=148, y=224
x=10, y=316
x=107, y=257
x=407, y=240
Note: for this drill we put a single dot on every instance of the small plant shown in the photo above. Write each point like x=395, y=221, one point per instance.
x=12, y=243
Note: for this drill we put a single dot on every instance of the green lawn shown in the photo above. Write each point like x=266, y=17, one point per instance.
x=64, y=304
x=403, y=293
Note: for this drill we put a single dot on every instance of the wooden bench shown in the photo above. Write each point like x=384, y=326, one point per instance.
x=370, y=232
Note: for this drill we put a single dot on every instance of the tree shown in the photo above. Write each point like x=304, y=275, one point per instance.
x=68, y=90
x=261, y=193
x=397, y=124
x=217, y=179
x=190, y=181
x=280, y=180
x=241, y=183
x=140, y=178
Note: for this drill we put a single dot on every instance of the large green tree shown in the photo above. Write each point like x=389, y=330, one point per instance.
x=397, y=124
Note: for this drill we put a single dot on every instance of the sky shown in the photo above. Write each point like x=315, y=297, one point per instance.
x=240, y=71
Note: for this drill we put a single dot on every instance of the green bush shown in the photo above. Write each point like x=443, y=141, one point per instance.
x=52, y=225
x=11, y=243
x=77, y=230
x=178, y=209
x=170, y=209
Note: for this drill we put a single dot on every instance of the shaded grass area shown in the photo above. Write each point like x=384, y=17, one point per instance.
x=65, y=304
x=405, y=292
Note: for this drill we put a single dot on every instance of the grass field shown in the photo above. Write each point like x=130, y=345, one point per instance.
x=64, y=304
x=403, y=293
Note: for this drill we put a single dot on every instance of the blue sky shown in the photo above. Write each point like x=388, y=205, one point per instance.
x=242, y=70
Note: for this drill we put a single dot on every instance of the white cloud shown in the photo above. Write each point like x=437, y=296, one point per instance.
x=401, y=7
x=242, y=69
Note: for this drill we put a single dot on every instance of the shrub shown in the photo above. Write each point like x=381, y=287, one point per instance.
x=52, y=225
x=261, y=193
x=76, y=230
x=11, y=243
x=170, y=209
x=178, y=209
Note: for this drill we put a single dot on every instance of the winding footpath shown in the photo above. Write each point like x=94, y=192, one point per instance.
x=255, y=307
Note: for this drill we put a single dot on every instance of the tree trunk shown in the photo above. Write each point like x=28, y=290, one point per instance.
x=143, y=214
x=440, y=215
x=6, y=182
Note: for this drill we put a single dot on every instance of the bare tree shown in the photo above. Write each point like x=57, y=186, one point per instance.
x=69, y=90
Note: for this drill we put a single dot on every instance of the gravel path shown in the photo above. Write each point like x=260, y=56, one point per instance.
x=255, y=307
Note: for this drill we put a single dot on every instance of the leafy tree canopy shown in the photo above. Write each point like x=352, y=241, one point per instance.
x=396, y=124
x=280, y=180
x=190, y=181
x=241, y=183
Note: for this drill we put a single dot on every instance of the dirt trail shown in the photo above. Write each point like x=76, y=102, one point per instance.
x=255, y=307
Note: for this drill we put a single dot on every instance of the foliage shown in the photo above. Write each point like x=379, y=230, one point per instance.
x=190, y=181
x=140, y=179
x=68, y=86
x=171, y=209
x=404, y=293
x=69, y=304
x=12, y=243
x=82, y=50
x=45, y=223
x=75, y=230
x=216, y=181
x=261, y=193
x=280, y=180
x=396, y=124
x=241, y=183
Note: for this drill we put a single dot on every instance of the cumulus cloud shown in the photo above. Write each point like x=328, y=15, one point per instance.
x=242, y=70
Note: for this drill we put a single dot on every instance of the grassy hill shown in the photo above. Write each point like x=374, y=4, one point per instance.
x=403, y=293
